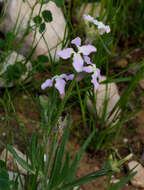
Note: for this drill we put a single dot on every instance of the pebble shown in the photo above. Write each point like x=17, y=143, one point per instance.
x=3, y=134
x=138, y=179
x=141, y=83
x=122, y=63
x=114, y=181
x=125, y=140
x=112, y=95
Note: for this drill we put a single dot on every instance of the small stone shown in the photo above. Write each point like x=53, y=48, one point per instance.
x=3, y=134
x=122, y=63
x=125, y=140
x=138, y=179
x=109, y=93
x=12, y=164
x=114, y=181
x=141, y=83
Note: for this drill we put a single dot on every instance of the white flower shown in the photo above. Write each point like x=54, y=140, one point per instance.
x=102, y=28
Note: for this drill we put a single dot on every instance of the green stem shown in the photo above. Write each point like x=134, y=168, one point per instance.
x=81, y=105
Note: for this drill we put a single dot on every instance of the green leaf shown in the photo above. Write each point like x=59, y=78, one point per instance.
x=22, y=162
x=44, y=1
x=59, y=3
x=42, y=28
x=77, y=158
x=4, y=180
x=85, y=179
x=43, y=59
x=2, y=164
x=123, y=181
x=14, y=72
x=57, y=165
x=116, y=80
x=47, y=16
x=37, y=20
x=131, y=87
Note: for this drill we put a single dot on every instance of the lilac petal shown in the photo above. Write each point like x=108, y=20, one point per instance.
x=63, y=76
x=88, y=69
x=87, y=49
x=69, y=77
x=78, y=63
x=60, y=86
x=87, y=59
x=94, y=81
x=98, y=73
x=76, y=41
x=47, y=83
x=65, y=53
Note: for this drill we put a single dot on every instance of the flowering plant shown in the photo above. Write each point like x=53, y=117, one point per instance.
x=79, y=56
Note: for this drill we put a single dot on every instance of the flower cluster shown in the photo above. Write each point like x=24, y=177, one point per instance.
x=76, y=51
x=102, y=28
x=60, y=82
x=80, y=57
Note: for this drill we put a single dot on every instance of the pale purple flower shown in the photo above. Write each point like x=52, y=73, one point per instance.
x=60, y=82
x=102, y=28
x=81, y=51
x=95, y=74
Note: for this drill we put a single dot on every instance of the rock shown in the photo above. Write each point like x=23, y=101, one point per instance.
x=19, y=178
x=110, y=93
x=122, y=63
x=11, y=60
x=138, y=179
x=51, y=39
x=12, y=164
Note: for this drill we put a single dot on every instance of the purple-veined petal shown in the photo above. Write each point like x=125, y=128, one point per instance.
x=87, y=49
x=69, y=77
x=65, y=53
x=76, y=41
x=87, y=59
x=78, y=63
x=88, y=69
x=47, y=83
x=60, y=86
x=94, y=81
